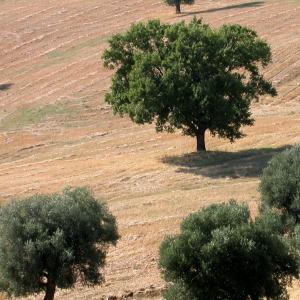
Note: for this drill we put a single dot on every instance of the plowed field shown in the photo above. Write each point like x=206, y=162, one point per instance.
x=56, y=130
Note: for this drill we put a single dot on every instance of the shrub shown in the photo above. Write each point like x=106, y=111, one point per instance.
x=222, y=254
x=280, y=183
x=49, y=241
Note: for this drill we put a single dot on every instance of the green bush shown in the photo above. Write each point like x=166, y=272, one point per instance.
x=222, y=254
x=280, y=183
x=49, y=241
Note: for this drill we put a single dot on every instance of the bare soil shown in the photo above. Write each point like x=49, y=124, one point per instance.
x=56, y=130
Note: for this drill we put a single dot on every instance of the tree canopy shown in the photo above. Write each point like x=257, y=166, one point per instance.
x=49, y=241
x=188, y=77
x=177, y=4
x=280, y=183
x=221, y=253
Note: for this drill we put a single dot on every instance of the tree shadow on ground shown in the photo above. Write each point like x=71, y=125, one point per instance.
x=221, y=164
x=241, y=5
x=5, y=86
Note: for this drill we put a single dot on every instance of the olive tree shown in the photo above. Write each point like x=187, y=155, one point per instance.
x=49, y=241
x=177, y=4
x=221, y=253
x=280, y=183
x=188, y=77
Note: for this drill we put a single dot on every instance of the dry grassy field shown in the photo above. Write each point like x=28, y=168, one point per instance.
x=56, y=130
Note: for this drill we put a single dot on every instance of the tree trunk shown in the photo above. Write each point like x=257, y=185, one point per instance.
x=201, y=140
x=50, y=290
x=177, y=5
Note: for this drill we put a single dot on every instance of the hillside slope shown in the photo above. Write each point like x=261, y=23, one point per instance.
x=56, y=130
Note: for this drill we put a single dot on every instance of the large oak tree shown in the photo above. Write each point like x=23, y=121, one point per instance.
x=188, y=76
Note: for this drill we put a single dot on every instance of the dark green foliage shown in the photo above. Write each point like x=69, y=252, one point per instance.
x=178, y=292
x=55, y=240
x=177, y=3
x=188, y=77
x=222, y=254
x=280, y=183
x=173, y=2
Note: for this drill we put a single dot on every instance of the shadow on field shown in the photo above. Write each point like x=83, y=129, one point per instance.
x=219, y=164
x=5, y=86
x=241, y=5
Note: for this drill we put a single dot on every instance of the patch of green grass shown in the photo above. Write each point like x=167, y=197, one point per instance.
x=32, y=116
x=62, y=54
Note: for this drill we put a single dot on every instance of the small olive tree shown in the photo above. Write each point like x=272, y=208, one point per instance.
x=222, y=254
x=177, y=4
x=49, y=241
x=280, y=183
